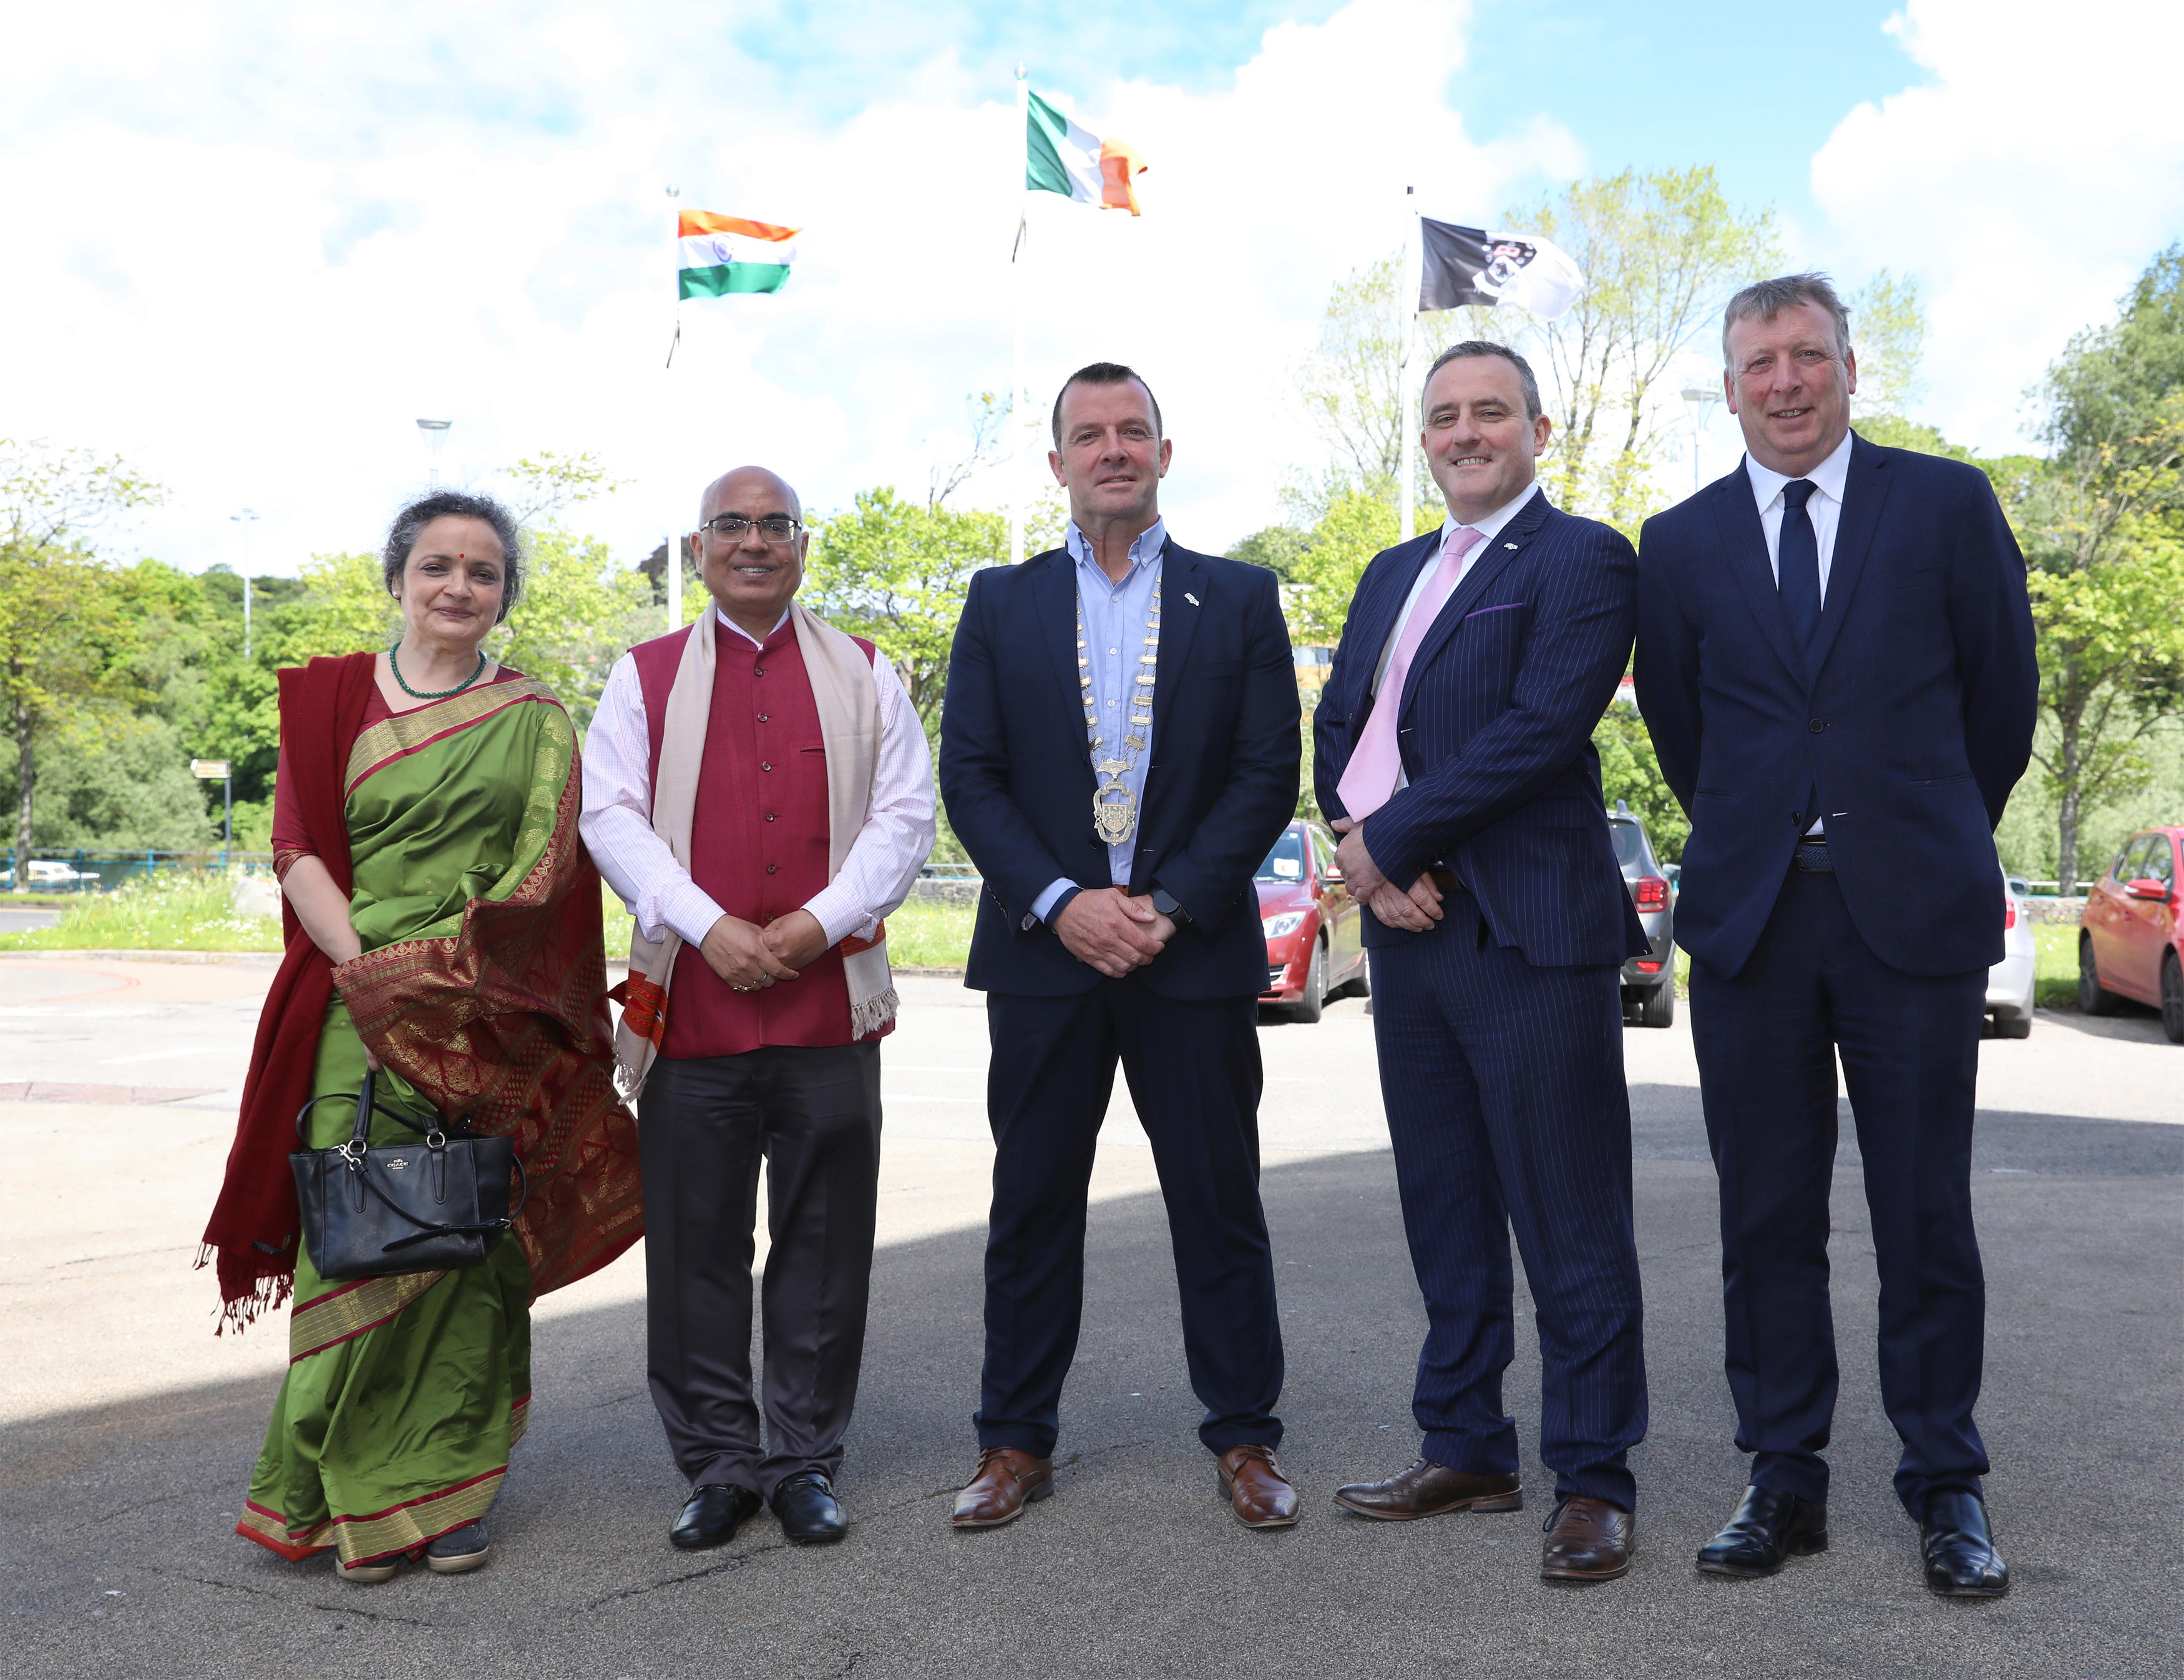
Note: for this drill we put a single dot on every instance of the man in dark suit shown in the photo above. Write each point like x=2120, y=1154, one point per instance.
x=1454, y=749
x=1118, y=750
x=1835, y=662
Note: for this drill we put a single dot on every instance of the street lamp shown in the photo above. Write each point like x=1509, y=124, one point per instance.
x=436, y=434
x=245, y=518
x=1700, y=403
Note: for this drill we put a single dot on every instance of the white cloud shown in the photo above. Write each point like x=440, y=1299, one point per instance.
x=2027, y=184
x=252, y=248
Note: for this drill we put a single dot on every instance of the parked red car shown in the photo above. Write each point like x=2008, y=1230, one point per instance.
x=2129, y=941
x=1314, y=945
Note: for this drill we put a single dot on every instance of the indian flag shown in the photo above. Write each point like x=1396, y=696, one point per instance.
x=722, y=254
x=1076, y=163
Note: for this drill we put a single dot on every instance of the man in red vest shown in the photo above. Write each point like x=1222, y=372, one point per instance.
x=757, y=789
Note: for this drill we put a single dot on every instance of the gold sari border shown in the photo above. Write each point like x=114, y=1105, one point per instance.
x=407, y=732
x=403, y=1528
x=342, y=1314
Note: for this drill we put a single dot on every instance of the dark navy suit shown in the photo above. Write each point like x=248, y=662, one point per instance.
x=1903, y=728
x=1500, y=1031
x=1221, y=786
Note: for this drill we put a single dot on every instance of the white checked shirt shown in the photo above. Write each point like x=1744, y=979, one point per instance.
x=617, y=825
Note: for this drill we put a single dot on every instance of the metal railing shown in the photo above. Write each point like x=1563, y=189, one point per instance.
x=88, y=871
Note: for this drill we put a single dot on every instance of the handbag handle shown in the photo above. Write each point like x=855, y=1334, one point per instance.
x=359, y=1145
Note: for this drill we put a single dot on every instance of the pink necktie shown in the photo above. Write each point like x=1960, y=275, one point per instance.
x=1370, y=779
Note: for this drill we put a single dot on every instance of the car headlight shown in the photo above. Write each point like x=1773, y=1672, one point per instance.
x=1281, y=926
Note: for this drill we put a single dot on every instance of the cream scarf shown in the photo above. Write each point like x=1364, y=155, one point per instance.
x=848, y=706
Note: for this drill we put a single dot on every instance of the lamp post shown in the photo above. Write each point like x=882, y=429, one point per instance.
x=245, y=518
x=1700, y=403
x=435, y=433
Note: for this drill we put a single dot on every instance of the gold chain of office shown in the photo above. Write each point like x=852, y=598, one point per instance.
x=1114, y=806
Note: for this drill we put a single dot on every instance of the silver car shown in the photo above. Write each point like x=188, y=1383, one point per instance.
x=2009, y=982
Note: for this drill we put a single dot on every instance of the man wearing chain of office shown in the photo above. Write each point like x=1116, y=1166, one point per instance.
x=1118, y=749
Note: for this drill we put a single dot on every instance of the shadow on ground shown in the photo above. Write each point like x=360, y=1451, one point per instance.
x=117, y=1557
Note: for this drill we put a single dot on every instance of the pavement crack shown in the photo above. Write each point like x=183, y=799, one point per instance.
x=374, y=1614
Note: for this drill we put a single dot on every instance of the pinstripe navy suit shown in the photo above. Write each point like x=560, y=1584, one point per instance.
x=1500, y=1031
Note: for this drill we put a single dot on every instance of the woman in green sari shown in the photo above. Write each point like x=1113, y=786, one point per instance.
x=444, y=929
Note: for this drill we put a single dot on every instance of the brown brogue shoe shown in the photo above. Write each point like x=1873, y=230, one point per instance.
x=1587, y=1540
x=1004, y=1484
x=1429, y=1490
x=1257, y=1490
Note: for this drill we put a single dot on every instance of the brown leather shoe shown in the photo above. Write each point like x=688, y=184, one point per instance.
x=1587, y=1540
x=1427, y=1490
x=1004, y=1483
x=1257, y=1491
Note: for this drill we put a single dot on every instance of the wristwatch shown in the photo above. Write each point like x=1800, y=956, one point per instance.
x=1164, y=902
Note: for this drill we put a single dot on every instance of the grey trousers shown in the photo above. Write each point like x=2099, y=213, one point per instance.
x=703, y=1125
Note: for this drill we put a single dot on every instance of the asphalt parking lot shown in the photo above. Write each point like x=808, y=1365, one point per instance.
x=126, y=1430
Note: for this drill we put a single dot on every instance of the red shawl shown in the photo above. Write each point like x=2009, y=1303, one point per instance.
x=505, y=1021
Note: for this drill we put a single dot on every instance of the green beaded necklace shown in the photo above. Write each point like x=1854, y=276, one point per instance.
x=394, y=663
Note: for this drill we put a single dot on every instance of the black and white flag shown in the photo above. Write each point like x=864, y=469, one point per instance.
x=1475, y=265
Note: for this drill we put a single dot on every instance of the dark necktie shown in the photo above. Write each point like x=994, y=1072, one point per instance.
x=1798, y=567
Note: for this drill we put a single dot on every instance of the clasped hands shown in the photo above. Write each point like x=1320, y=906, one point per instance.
x=1415, y=911
x=1113, y=931
x=751, y=958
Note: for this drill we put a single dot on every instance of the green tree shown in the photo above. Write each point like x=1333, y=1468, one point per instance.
x=1356, y=525
x=62, y=629
x=1630, y=772
x=2102, y=522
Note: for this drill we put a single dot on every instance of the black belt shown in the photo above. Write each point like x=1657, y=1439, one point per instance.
x=1813, y=857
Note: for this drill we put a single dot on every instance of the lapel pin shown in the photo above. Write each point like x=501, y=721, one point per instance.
x=1508, y=545
x=1190, y=598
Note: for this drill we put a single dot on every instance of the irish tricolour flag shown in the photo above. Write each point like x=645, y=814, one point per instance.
x=722, y=254
x=1071, y=160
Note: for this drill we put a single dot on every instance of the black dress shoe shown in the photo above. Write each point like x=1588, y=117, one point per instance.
x=809, y=1514
x=713, y=1515
x=1768, y=1528
x=1961, y=1560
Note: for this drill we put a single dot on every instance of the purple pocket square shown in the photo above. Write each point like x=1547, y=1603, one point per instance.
x=1506, y=607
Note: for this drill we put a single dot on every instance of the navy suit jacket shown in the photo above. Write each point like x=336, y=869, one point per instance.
x=1222, y=782
x=1915, y=726
x=1495, y=732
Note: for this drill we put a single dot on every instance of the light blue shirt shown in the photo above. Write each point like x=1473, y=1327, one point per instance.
x=1115, y=615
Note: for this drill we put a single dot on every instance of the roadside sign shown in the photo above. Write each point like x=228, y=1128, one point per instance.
x=209, y=770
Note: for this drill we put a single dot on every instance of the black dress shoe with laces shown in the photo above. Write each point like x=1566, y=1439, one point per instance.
x=809, y=1514
x=1960, y=1557
x=1768, y=1529
x=713, y=1515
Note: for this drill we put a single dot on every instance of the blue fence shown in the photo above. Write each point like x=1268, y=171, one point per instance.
x=89, y=871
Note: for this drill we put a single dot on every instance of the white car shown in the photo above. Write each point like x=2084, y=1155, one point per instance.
x=49, y=873
x=2009, y=981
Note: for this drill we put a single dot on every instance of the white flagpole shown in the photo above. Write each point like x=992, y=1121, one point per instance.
x=1017, y=303
x=672, y=564
x=1406, y=314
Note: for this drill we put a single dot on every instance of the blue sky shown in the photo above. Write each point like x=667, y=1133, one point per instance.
x=255, y=240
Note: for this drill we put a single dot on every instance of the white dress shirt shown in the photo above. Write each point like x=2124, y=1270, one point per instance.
x=1823, y=507
x=1488, y=529
x=617, y=825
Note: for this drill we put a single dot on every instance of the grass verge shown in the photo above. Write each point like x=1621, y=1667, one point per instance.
x=154, y=913
x=2055, y=966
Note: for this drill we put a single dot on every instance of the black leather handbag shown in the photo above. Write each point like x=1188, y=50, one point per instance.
x=376, y=1210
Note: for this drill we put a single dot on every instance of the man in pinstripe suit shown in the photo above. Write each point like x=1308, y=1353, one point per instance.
x=1454, y=749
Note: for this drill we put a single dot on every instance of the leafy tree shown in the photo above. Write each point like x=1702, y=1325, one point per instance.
x=1356, y=525
x=1278, y=548
x=62, y=627
x=2102, y=522
x=1630, y=772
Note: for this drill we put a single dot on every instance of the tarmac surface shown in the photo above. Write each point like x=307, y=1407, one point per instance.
x=127, y=1431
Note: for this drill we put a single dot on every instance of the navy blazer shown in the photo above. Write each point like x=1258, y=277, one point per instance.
x=1916, y=725
x=1222, y=782
x=1495, y=732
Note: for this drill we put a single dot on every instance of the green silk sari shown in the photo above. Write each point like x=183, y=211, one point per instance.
x=404, y=1394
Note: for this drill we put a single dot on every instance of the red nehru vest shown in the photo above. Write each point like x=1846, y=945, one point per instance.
x=758, y=838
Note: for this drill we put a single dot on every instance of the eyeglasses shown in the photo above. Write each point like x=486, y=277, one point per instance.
x=734, y=528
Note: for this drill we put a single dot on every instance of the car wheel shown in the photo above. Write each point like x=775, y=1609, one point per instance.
x=2093, y=997
x=2012, y=1026
x=1657, y=1008
x=1311, y=1006
x=2172, y=999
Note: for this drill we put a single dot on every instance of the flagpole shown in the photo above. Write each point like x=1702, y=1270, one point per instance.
x=672, y=561
x=1016, y=414
x=1406, y=315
